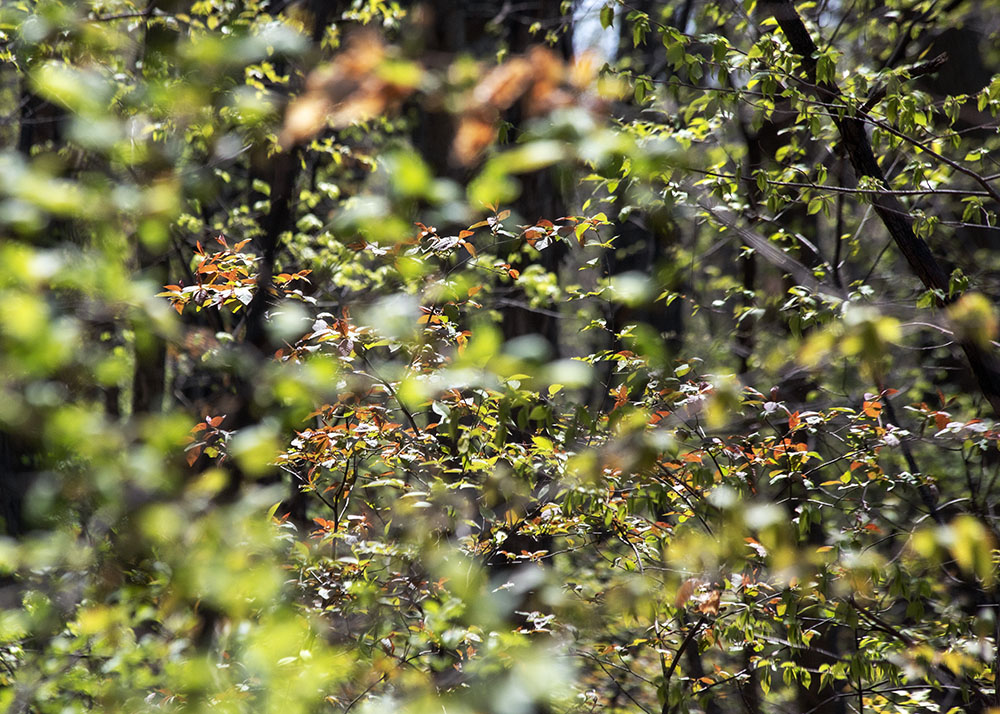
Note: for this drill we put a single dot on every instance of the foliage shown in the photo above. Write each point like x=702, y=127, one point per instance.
x=380, y=355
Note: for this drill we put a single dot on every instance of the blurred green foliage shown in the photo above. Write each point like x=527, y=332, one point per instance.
x=347, y=364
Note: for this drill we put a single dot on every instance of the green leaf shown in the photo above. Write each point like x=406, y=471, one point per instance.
x=607, y=16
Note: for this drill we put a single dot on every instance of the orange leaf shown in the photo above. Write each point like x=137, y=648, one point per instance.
x=324, y=524
x=514, y=273
x=872, y=409
x=794, y=421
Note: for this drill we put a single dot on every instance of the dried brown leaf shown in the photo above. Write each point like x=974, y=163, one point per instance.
x=685, y=591
x=347, y=91
x=473, y=137
x=504, y=84
x=710, y=605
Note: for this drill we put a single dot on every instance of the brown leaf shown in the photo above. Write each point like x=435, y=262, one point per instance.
x=193, y=454
x=710, y=606
x=474, y=135
x=546, y=93
x=503, y=85
x=685, y=591
x=547, y=67
x=941, y=420
x=305, y=117
x=350, y=89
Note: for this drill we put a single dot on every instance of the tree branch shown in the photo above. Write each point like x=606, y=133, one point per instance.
x=897, y=220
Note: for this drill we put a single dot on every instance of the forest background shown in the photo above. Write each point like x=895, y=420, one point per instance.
x=500, y=357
